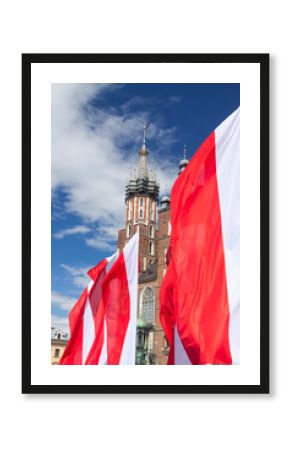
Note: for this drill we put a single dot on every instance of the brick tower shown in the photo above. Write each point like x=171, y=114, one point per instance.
x=141, y=210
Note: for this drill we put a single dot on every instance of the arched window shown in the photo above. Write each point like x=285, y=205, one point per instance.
x=152, y=231
x=147, y=306
x=151, y=248
x=128, y=231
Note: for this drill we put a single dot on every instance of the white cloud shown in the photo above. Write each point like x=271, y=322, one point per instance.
x=78, y=275
x=175, y=98
x=60, y=322
x=89, y=161
x=62, y=301
x=78, y=229
x=104, y=238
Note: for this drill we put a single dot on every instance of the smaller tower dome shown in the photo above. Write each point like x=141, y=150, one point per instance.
x=165, y=198
x=165, y=202
x=184, y=162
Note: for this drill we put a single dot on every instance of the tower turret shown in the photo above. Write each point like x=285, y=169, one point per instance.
x=184, y=162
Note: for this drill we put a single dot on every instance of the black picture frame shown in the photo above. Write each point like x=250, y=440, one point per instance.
x=263, y=61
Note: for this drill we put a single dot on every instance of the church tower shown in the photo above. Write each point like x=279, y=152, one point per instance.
x=141, y=210
x=141, y=197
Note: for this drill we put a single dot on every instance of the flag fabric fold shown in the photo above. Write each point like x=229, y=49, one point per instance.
x=103, y=321
x=199, y=296
x=87, y=317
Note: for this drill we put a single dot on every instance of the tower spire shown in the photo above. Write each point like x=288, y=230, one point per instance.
x=144, y=138
x=142, y=169
x=184, y=151
x=142, y=183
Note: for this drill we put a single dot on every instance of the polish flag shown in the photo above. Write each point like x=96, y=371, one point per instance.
x=200, y=293
x=86, y=319
x=103, y=322
x=120, y=293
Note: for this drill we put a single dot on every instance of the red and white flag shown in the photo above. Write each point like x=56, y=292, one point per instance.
x=200, y=293
x=120, y=300
x=86, y=319
x=103, y=321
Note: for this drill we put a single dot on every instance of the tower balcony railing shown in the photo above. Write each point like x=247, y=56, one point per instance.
x=142, y=185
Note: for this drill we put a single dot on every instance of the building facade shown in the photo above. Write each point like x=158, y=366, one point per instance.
x=142, y=210
x=59, y=340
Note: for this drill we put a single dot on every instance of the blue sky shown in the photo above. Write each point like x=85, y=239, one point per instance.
x=97, y=130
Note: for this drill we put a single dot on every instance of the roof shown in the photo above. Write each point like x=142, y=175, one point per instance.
x=183, y=162
x=57, y=333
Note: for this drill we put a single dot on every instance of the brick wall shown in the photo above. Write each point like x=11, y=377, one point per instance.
x=161, y=243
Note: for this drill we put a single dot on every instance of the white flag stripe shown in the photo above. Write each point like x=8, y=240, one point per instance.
x=180, y=355
x=227, y=137
x=104, y=354
x=131, y=253
x=88, y=326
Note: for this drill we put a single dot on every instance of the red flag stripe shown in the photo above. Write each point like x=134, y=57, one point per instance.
x=202, y=311
x=73, y=353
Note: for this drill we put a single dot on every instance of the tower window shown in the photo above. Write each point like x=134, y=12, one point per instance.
x=165, y=252
x=141, y=214
x=151, y=248
x=152, y=231
x=152, y=212
x=56, y=353
x=141, y=202
x=147, y=310
x=130, y=210
x=128, y=231
x=144, y=264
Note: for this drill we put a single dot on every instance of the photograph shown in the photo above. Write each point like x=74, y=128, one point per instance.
x=142, y=182
x=139, y=165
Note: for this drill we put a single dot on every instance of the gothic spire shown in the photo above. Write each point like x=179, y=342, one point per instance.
x=142, y=183
x=143, y=153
